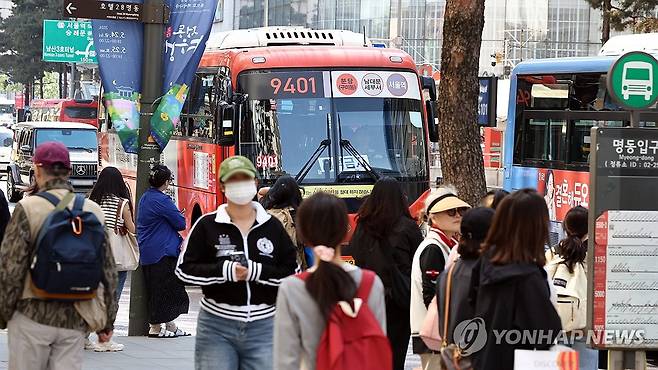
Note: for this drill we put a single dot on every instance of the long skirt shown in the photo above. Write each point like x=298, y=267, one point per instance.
x=167, y=298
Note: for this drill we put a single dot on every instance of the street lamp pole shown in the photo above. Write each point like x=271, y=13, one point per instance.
x=149, y=153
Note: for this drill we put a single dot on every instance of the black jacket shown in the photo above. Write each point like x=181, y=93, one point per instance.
x=209, y=260
x=512, y=297
x=461, y=307
x=404, y=239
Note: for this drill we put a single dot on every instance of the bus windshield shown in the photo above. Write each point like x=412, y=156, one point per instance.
x=308, y=131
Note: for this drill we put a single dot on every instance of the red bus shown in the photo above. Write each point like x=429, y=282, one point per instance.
x=322, y=106
x=64, y=110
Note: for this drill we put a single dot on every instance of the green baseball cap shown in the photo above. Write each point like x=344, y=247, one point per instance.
x=234, y=165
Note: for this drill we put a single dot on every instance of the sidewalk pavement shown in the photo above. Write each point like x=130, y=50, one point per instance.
x=140, y=353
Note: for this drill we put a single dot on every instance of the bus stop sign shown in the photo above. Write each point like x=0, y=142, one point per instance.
x=633, y=80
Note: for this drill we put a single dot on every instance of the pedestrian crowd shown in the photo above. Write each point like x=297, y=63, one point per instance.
x=278, y=290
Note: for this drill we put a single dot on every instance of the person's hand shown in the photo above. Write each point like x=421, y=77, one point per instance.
x=105, y=336
x=241, y=273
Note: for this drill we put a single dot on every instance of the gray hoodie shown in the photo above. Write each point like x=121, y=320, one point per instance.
x=298, y=323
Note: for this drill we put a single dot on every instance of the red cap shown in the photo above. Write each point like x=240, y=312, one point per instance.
x=50, y=153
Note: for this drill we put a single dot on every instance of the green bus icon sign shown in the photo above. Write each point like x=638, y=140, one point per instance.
x=632, y=80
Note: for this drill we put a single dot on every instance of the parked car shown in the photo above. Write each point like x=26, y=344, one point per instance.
x=81, y=139
x=6, y=141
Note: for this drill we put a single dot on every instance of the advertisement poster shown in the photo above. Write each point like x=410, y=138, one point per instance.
x=375, y=84
x=119, y=47
x=185, y=42
x=563, y=190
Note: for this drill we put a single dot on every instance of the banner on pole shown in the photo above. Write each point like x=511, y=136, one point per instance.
x=185, y=42
x=119, y=47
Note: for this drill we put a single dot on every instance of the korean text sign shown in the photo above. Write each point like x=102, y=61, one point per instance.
x=185, y=42
x=119, y=48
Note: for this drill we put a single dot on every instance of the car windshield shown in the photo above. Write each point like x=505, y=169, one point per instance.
x=6, y=139
x=80, y=139
x=295, y=124
x=6, y=109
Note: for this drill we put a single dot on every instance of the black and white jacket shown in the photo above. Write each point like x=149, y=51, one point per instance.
x=208, y=261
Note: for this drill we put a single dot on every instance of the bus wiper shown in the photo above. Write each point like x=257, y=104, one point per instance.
x=88, y=150
x=309, y=164
x=344, y=143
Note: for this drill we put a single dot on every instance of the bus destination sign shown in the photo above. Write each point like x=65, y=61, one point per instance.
x=284, y=85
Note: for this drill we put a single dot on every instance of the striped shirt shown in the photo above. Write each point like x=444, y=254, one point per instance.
x=110, y=204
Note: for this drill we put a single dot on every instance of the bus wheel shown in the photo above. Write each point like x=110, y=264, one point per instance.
x=196, y=214
x=12, y=194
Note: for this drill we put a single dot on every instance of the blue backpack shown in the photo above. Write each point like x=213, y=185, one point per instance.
x=68, y=262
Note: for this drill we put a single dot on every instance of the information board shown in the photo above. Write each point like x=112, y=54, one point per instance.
x=623, y=254
x=68, y=42
x=487, y=100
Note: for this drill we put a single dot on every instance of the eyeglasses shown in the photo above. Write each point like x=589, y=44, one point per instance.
x=453, y=212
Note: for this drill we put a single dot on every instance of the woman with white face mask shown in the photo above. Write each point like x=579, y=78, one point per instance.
x=238, y=255
x=158, y=225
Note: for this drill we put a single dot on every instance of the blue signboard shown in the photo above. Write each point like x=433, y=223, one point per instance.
x=185, y=42
x=119, y=48
x=487, y=101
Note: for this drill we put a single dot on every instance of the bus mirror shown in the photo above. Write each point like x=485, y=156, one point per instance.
x=430, y=85
x=226, y=132
x=432, y=125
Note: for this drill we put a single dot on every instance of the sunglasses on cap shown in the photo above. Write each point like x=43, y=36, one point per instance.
x=453, y=212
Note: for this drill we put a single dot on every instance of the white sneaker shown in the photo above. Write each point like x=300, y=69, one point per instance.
x=89, y=345
x=110, y=346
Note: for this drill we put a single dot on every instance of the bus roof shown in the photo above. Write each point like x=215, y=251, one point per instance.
x=56, y=124
x=623, y=44
x=564, y=65
x=307, y=57
x=278, y=36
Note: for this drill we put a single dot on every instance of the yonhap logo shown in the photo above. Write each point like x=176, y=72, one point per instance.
x=470, y=336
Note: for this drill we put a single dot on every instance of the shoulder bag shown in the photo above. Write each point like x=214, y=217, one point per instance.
x=451, y=356
x=124, y=244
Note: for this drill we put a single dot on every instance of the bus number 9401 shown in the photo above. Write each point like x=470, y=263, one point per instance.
x=301, y=85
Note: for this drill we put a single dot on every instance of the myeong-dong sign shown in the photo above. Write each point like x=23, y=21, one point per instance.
x=68, y=42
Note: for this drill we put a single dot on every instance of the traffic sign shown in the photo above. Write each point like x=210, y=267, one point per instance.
x=111, y=10
x=633, y=80
x=68, y=42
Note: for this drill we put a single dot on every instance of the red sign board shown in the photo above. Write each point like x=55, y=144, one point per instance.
x=19, y=100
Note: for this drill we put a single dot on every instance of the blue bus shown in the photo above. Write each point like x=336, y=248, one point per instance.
x=553, y=105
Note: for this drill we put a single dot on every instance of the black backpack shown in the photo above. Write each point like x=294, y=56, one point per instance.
x=68, y=261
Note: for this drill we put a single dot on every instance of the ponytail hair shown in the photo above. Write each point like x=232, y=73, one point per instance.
x=322, y=221
x=573, y=249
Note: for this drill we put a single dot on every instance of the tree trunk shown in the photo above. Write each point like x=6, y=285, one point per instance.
x=605, y=28
x=26, y=94
x=41, y=87
x=459, y=134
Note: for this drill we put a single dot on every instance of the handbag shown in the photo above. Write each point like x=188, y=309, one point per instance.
x=124, y=244
x=451, y=356
x=429, y=331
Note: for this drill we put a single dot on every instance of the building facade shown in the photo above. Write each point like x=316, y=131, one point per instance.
x=514, y=29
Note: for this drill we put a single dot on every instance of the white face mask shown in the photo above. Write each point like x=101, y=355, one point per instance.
x=240, y=193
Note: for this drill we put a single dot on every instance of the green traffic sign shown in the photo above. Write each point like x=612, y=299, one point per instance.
x=68, y=42
x=633, y=80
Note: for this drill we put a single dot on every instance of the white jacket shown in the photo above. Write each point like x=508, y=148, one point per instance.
x=418, y=309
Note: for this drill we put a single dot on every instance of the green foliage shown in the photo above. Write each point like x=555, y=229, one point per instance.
x=635, y=15
x=21, y=37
